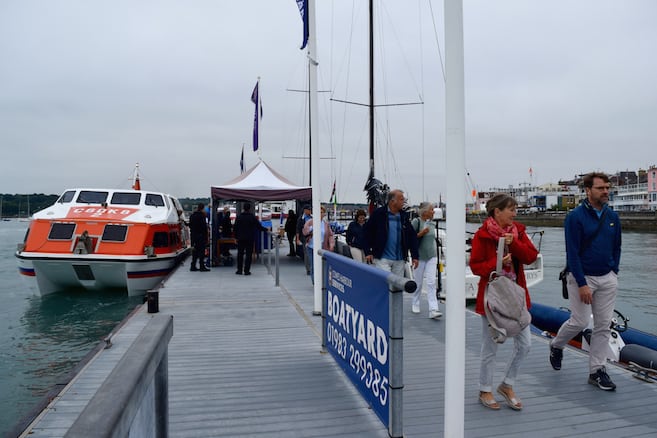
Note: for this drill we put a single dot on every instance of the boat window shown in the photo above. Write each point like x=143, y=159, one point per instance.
x=114, y=233
x=61, y=231
x=154, y=200
x=173, y=238
x=126, y=198
x=160, y=239
x=66, y=197
x=92, y=197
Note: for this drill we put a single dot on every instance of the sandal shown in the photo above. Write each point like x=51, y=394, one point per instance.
x=487, y=399
x=509, y=395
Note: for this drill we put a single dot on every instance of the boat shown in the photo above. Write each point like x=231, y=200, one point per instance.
x=631, y=348
x=533, y=271
x=99, y=239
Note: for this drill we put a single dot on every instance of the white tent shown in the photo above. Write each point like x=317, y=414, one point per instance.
x=261, y=183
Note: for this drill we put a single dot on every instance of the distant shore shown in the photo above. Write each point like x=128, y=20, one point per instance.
x=631, y=221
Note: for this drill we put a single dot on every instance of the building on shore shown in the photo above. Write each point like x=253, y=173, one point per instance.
x=630, y=192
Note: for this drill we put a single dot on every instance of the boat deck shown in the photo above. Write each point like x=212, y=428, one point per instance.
x=245, y=360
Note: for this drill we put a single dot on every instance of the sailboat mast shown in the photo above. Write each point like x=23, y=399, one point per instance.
x=371, y=105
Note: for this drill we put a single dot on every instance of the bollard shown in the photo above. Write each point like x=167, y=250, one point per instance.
x=153, y=298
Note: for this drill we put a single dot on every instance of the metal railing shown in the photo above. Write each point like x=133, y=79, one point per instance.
x=137, y=385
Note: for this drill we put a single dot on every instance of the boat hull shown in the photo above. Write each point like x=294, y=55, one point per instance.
x=637, y=346
x=136, y=274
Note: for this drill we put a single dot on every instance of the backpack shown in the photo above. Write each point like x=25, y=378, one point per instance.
x=505, y=303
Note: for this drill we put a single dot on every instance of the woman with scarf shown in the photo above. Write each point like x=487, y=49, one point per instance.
x=518, y=251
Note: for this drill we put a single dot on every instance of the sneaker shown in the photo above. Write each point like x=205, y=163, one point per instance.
x=238, y=272
x=602, y=380
x=556, y=354
x=435, y=314
x=204, y=269
x=416, y=308
x=193, y=269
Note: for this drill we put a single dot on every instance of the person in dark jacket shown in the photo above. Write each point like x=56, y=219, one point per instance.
x=226, y=227
x=246, y=226
x=301, y=239
x=198, y=228
x=291, y=232
x=389, y=236
x=355, y=236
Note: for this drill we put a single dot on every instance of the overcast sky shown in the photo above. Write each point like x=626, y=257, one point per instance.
x=89, y=88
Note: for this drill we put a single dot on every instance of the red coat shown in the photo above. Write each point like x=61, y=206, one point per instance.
x=483, y=260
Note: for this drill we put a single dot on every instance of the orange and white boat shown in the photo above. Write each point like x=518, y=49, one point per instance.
x=104, y=239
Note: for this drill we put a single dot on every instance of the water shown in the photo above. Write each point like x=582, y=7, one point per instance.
x=42, y=339
x=637, y=277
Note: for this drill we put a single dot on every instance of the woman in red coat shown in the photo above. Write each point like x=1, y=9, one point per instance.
x=518, y=251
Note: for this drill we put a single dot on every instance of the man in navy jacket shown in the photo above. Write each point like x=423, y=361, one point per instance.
x=389, y=236
x=593, y=249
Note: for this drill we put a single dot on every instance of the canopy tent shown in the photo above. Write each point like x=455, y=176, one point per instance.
x=261, y=183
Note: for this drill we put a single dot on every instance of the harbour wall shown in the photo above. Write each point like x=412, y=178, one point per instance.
x=630, y=221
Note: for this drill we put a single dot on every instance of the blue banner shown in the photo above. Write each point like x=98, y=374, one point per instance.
x=255, y=99
x=303, y=10
x=357, y=327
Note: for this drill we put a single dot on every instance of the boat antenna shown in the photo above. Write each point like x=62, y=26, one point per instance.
x=135, y=181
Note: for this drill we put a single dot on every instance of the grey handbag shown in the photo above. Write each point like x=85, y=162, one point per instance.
x=505, y=303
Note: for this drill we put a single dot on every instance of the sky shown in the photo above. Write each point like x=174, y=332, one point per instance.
x=89, y=88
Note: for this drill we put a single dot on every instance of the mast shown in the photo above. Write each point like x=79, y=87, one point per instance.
x=371, y=105
x=136, y=185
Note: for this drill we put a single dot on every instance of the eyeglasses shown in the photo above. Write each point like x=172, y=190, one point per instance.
x=602, y=188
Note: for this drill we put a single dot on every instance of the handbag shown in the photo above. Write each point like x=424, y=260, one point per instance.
x=563, y=276
x=505, y=303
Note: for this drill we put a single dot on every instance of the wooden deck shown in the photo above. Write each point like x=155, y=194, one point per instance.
x=245, y=360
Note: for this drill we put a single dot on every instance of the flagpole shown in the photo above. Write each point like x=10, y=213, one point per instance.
x=455, y=156
x=314, y=153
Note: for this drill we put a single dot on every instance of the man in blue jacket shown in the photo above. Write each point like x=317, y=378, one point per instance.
x=593, y=249
x=389, y=236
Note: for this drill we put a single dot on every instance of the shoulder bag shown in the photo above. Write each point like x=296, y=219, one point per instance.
x=505, y=303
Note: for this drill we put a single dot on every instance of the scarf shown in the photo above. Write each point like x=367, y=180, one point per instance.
x=497, y=231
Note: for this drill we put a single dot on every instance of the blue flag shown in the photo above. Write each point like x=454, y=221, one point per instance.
x=254, y=99
x=303, y=9
x=242, y=160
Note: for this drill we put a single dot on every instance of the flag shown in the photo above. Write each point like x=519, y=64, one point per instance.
x=242, y=160
x=333, y=198
x=303, y=9
x=255, y=99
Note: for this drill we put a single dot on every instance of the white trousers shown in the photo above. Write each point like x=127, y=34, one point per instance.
x=357, y=254
x=604, y=290
x=425, y=274
x=521, y=344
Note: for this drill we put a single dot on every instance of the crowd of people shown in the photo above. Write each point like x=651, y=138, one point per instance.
x=394, y=241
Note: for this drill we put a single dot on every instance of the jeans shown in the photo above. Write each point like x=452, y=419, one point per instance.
x=602, y=308
x=425, y=273
x=521, y=345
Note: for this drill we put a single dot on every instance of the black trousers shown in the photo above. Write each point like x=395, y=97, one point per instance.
x=244, y=254
x=293, y=246
x=198, y=253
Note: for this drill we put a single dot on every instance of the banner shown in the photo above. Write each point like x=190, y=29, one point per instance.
x=303, y=9
x=256, y=100
x=358, y=328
